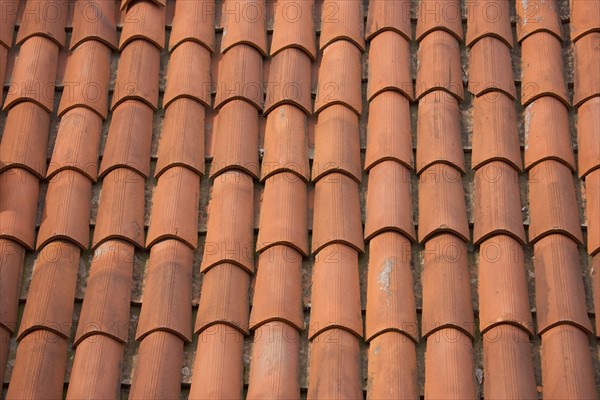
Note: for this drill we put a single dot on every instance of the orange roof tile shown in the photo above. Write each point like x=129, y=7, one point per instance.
x=394, y=73
x=94, y=20
x=592, y=191
x=7, y=28
x=240, y=77
x=490, y=68
x=490, y=18
x=189, y=74
x=144, y=20
x=289, y=81
x=11, y=267
x=294, y=27
x=388, y=16
x=244, y=23
x=342, y=21
x=584, y=18
x=588, y=125
x=433, y=15
x=193, y=21
x=44, y=18
x=587, y=68
x=18, y=206
x=534, y=16
x=438, y=66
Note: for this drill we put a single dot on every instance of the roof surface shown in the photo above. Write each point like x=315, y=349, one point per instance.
x=279, y=199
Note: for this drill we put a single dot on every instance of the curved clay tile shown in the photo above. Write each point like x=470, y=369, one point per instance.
x=7, y=28
x=592, y=190
x=121, y=208
x=105, y=309
x=446, y=286
x=587, y=68
x=497, y=208
x=559, y=291
x=194, y=21
x=542, y=69
x=86, y=79
x=175, y=205
x=25, y=139
x=335, y=365
x=240, y=77
x=342, y=20
x=77, y=143
x=392, y=371
x=508, y=363
x=125, y=4
x=289, y=81
x=389, y=134
x=449, y=366
x=34, y=74
x=490, y=18
x=294, y=27
x=584, y=18
x=588, y=126
x=94, y=20
x=53, y=282
x=390, y=294
x=18, y=206
x=388, y=16
x=129, y=139
x=144, y=20
x=495, y=135
x=230, y=227
x=490, y=68
x=286, y=143
x=335, y=298
x=553, y=203
x=389, y=65
x=3, y=62
x=244, y=23
x=567, y=377
x=44, y=18
x=275, y=361
x=278, y=288
x=439, y=66
x=11, y=268
x=337, y=215
x=442, y=206
x=433, y=15
x=340, y=77
x=182, y=137
x=167, y=298
x=235, y=145
x=137, y=74
x=389, y=201
x=337, y=143
x=534, y=16
x=189, y=74
x=546, y=129
x=503, y=292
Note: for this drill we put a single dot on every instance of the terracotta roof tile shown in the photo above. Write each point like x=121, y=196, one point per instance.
x=129, y=139
x=388, y=16
x=167, y=291
x=588, y=126
x=53, y=281
x=337, y=144
x=339, y=85
x=144, y=20
x=449, y=366
x=45, y=18
x=25, y=139
x=389, y=135
x=11, y=268
x=503, y=292
x=337, y=216
x=294, y=27
x=289, y=81
x=567, y=376
x=94, y=20
x=77, y=143
x=553, y=204
x=587, y=68
x=490, y=68
x=229, y=237
x=534, y=16
x=126, y=4
x=442, y=203
x=7, y=28
x=194, y=21
x=439, y=66
x=335, y=366
x=595, y=264
x=390, y=294
x=175, y=207
x=592, y=186
x=433, y=15
x=34, y=74
x=389, y=67
x=507, y=358
x=278, y=289
x=18, y=206
x=542, y=69
x=244, y=23
x=559, y=291
x=189, y=74
x=490, y=18
x=286, y=142
x=182, y=137
x=3, y=62
x=105, y=310
x=342, y=20
x=584, y=18
x=240, y=77
x=121, y=208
